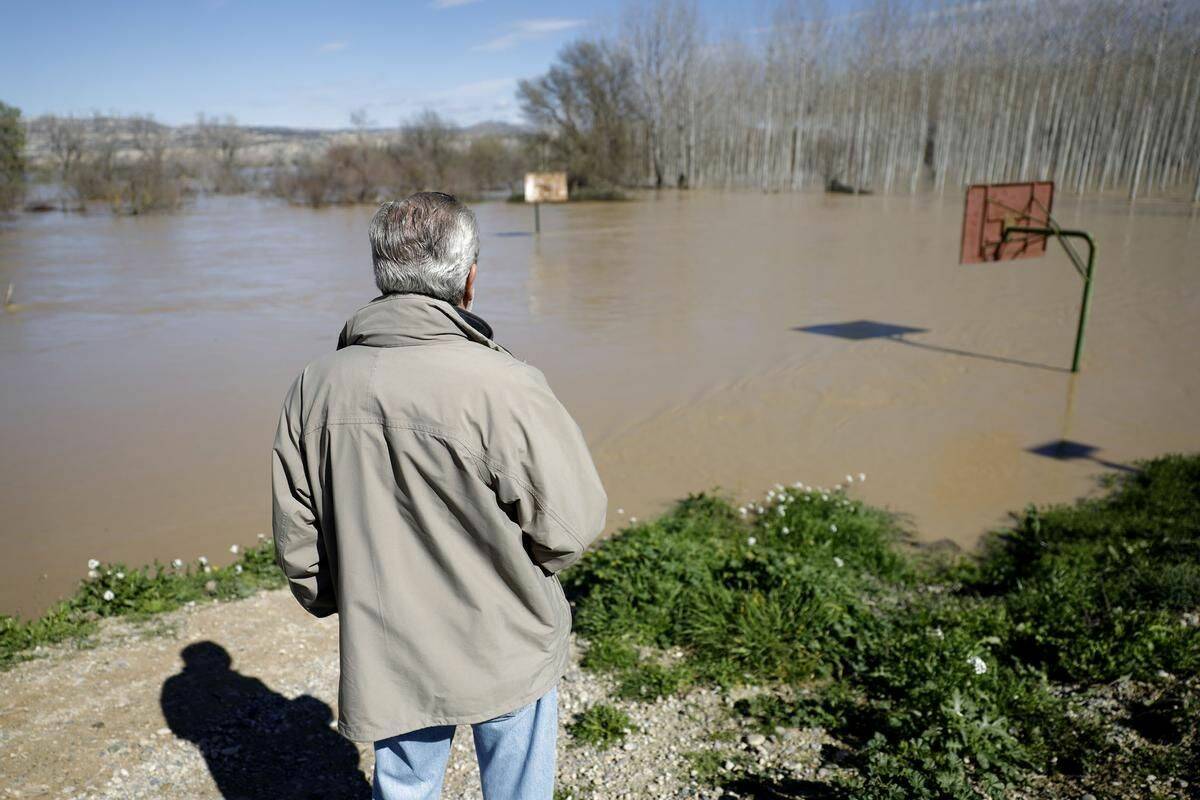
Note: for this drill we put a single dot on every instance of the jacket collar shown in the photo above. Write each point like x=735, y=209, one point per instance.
x=403, y=320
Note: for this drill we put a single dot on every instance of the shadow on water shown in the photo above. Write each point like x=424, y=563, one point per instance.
x=859, y=330
x=256, y=742
x=1069, y=450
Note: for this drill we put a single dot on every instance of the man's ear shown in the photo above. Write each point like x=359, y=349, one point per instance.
x=469, y=290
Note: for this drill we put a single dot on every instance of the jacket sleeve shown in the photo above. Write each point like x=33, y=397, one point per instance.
x=546, y=477
x=299, y=544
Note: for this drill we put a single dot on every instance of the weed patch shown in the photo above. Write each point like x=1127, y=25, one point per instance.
x=600, y=726
x=115, y=590
x=952, y=679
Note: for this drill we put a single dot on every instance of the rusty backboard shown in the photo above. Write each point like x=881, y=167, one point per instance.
x=545, y=187
x=989, y=208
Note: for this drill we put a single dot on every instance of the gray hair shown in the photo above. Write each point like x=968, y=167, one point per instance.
x=424, y=244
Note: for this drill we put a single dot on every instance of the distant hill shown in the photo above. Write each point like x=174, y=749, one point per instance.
x=259, y=145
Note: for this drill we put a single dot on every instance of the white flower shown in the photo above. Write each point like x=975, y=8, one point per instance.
x=797, y=485
x=120, y=575
x=833, y=527
x=785, y=529
x=207, y=568
x=742, y=510
x=108, y=595
x=203, y=559
x=752, y=541
x=837, y=487
x=770, y=494
x=93, y=563
x=633, y=519
x=233, y=548
x=262, y=536
x=237, y=568
x=862, y=476
x=782, y=510
x=93, y=574
x=824, y=497
x=849, y=479
x=937, y=633
x=621, y=511
x=177, y=563
x=838, y=561
x=977, y=664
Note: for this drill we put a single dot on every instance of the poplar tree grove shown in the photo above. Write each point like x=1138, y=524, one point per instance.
x=904, y=96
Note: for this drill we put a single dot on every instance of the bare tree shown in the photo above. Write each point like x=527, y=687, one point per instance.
x=222, y=140
x=587, y=102
x=900, y=95
x=662, y=39
x=12, y=157
x=64, y=135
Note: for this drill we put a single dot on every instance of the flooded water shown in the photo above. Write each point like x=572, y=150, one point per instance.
x=701, y=339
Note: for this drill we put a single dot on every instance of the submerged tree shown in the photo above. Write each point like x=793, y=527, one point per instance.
x=587, y=102
x=904, y=95
x=12, y=157
x=222, y=140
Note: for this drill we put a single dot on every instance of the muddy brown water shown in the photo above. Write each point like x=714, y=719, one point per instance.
x=701, y=340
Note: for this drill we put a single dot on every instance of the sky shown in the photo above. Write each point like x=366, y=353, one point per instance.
x=299, y=63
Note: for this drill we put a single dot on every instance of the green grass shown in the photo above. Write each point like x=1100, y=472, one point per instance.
x=600, y=726
x=954, y=679
x=115, y=590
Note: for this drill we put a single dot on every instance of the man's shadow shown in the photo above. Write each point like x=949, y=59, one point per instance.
x=256, y=742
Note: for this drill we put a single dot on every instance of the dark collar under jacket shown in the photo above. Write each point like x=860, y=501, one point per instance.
x=475, y=321
x=402, y=320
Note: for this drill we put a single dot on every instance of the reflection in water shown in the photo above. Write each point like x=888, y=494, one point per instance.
x=143, y=374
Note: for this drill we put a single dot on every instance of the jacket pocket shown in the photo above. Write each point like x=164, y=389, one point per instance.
x=564, y=608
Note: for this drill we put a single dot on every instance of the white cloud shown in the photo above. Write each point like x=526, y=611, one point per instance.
x=440, y=4
x=466, y=103
x=392, y=103
x=331, y=47
x=528, y=29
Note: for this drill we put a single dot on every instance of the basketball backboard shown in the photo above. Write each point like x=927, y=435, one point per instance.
x=990, y=208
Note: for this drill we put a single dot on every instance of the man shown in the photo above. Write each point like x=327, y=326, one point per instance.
x=428, y=487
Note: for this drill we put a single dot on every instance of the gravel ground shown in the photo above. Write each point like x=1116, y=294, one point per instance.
x=252, y=717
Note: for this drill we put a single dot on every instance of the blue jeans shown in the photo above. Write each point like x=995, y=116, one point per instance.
x=515, y=752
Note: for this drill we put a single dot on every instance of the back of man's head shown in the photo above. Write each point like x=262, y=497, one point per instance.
x=424, y=244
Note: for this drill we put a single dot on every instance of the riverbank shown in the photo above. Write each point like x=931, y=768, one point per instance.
x=699, y=339
x=795, y=646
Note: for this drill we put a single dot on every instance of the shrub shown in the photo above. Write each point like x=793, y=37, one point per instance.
x=600, y=726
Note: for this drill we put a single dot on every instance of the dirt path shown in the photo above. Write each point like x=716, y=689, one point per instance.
x=252, y=715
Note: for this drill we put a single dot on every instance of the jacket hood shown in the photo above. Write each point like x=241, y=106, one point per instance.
x=403, y=320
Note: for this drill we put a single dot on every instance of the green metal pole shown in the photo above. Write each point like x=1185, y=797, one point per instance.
x=1086, y=305
x=1086, y=273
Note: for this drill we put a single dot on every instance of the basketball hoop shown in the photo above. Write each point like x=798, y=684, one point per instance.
x=1007, y=221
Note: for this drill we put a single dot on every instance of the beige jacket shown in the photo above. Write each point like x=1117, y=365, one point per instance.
x=427, y=487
